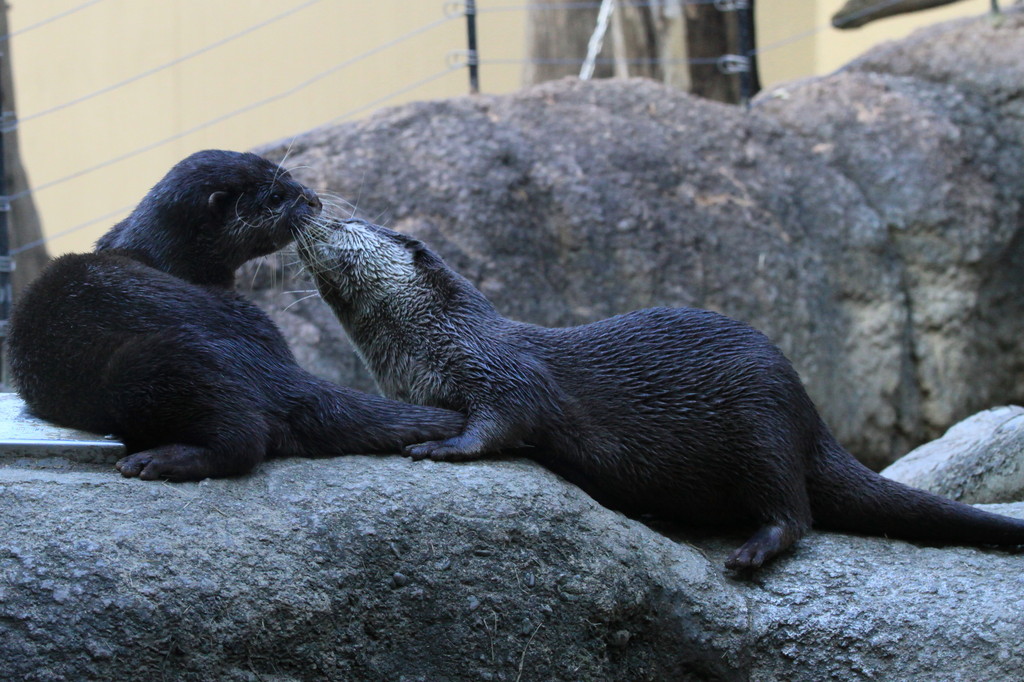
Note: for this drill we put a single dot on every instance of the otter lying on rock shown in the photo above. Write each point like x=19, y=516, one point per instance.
x=683, y=413
x=146, y=339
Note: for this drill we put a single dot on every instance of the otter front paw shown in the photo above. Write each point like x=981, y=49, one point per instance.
x=450, y=450
x=173, y=462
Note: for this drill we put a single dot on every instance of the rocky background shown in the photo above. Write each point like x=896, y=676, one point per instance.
x=870, y=222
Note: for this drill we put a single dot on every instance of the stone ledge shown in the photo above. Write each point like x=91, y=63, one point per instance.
x=25, y=436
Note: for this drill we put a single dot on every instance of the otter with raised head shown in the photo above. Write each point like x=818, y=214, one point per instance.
x=683, y=413
x=146, y=339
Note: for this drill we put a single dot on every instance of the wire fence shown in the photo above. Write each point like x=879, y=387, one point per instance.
x=472, y=56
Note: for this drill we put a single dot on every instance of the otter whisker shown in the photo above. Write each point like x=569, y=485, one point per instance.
x=359, y=195
x=280, y=165
x=300, y=300
x=334, y=206
x=336, y=201
x=238, y=215
x=380, y=215
x=256, y=272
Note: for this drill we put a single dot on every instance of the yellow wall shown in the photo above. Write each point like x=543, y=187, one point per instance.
x=114, y=40
x=835, y=48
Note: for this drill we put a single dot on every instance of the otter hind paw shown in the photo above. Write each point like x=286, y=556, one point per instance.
x=768, y=542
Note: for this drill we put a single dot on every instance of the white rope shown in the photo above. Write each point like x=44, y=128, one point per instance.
x=597, y=39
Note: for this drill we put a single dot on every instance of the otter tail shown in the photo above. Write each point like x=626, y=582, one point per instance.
x=335, y=420
x=847, y=496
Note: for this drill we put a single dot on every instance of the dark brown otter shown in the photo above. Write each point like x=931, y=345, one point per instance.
x=146, y=339
x=678, y=412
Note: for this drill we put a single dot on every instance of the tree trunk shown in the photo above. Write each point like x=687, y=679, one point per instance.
x=556, y=42
x=23, y=220
x=711, y=34
x=653, y=40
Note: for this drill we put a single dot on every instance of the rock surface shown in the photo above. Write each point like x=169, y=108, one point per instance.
x=869, y=222
x=363, y=568
x=980, y=459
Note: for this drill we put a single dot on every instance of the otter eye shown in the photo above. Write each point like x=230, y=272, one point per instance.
x=276, y=198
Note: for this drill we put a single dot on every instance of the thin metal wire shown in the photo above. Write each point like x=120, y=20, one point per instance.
x=55, y=17
x=380, y=100
x=173, y=62
x=639, y=61
x=237, y=112
x=584, y=5
x=352, y=112
x=63, y=233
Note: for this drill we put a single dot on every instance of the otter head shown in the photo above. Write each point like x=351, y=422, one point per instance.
x=355, y=262
x=211, y=213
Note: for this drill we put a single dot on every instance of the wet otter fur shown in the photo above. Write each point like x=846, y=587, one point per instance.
x=683, y=413
x=146, y=339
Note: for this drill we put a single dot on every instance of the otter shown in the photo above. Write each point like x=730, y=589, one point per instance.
x=680, y=413
x=146, y=339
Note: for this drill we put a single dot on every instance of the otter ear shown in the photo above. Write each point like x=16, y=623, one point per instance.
x=414, y=246
x=216, y=202
x=423, y=255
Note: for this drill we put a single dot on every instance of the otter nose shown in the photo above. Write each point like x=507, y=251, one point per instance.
x=312, y=200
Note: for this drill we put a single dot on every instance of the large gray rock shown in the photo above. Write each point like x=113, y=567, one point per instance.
x=365, y=568
x=348, y=569
x=980, y=459
x=869, y=222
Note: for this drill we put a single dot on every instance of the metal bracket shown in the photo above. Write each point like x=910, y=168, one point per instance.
x=5, y=204
x=454, y=59
x=731, y=5
x=731, y=64
x=8, y=122
x=7, y=264
x=455, y=9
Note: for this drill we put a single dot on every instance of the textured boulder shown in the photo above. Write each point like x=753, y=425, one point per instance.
x=363, y=568
x=353, y=568
x=980, y=459
x=869, y=222
x=931, y=132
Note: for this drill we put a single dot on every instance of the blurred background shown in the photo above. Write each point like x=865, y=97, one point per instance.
x=110, y=93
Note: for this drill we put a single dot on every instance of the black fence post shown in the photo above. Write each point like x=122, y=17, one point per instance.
x=750, y=80
x=6, y=263
x=472, y=57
